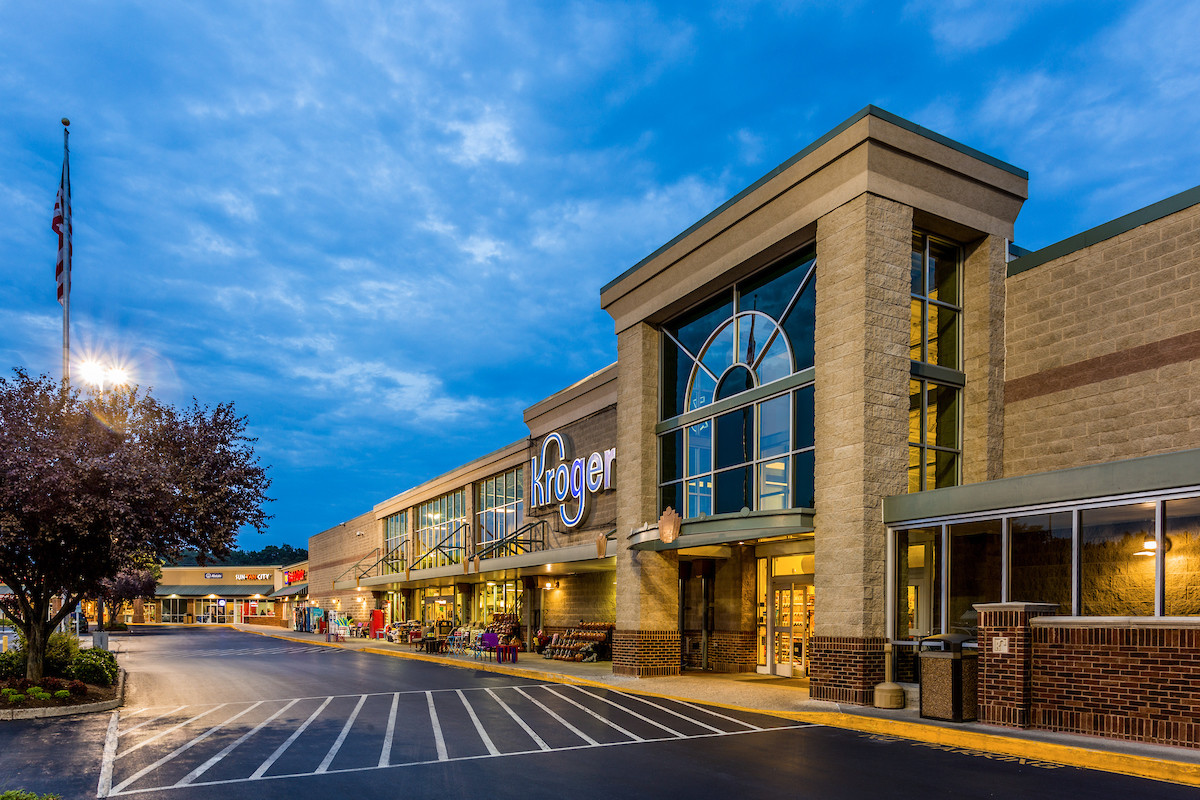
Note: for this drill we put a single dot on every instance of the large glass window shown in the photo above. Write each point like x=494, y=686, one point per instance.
x=758, y=455
x=1181, y=556
x=1113, y=580
x=441, y=523
x=1040, y=559
x=936, y=304
x=501, y=506
x=934, y=443
x=395, y=533
x=976, y=564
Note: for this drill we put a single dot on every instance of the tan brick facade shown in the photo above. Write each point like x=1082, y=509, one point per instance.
x=1103, y=358
x=331, y=553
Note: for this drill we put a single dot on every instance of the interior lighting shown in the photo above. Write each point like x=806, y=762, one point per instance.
x=1150, y=546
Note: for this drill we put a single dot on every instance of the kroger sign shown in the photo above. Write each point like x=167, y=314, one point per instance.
x=557, y=478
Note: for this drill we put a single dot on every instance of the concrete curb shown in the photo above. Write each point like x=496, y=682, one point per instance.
x=67, y=711
x=948, y=738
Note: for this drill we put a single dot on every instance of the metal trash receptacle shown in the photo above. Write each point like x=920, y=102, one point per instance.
x=949, y=679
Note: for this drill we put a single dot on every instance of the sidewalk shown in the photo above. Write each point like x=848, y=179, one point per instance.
x=790, y=698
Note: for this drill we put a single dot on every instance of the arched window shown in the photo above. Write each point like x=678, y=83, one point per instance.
x=747, y=341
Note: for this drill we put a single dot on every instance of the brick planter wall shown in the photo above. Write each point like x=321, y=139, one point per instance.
x=645, y=654
x=728, y=651
x=1124, y=678
x=845, y=669
x=1005, y=661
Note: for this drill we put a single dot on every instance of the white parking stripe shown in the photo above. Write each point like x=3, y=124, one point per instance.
x=519, y=721
x=182, y=748
x=200, y=770
x=172, y=729
x=629, y=711
x=104, y=786
x=670, y=711
x=337, y=744
x=266, y=765
x=437, y=729
x=720, y=716
x=147, y=722
x=561, y=721
x=607, y=722
x=385, y=754
x=487, y=740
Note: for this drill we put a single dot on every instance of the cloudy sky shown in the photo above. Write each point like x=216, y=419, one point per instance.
x=381, y=228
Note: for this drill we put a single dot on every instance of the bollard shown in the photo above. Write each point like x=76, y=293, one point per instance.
x=4, y=645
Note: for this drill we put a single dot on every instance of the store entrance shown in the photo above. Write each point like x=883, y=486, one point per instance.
x=791, y=632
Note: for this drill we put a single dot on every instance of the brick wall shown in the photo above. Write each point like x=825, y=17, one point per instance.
x=590, y=596
x=645, y=654
x=1132, y=679
x=846, y=669
x=331, y=553
x=592, y=434
x=1103, y=350
x=728, y=651
x=1005, y=661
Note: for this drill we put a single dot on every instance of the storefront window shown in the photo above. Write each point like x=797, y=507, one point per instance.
x=1040, y=559
x=976, y=564
x=756, y=456
x=918, y=583
x=496, y=597
x=1181, y=556
x=501, y=506
x=936, y=305
x=1114, y=580
x=442, y=530
x=934, y=443
x=395, y=533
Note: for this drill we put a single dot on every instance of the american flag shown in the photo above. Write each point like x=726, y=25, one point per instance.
x=61, y=225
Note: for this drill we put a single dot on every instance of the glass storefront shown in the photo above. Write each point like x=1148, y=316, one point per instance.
x=496, y=597
x=786, y=607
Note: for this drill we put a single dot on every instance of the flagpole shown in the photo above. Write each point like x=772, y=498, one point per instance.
x=66, y=306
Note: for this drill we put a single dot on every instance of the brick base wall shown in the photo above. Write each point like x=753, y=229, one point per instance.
x=1134, y=682
x=845, y=669
x=1005, y=661
x=645, y=654
x=728, y=651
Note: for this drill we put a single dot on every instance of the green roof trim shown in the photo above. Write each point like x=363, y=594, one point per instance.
x=1130, y=476
x=1135, y=219
x=872, y=111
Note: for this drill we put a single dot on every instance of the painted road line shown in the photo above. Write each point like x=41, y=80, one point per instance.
x=266, y=765
x=172, y=729
x=200, y=770
x=587, y=710
x=487, y=740
x=519, y=721
x=561, y=721
x=669, y=711
x=385, y=755
x=171, y=756
x=337, y=744
x=629, y=711
x=104, y=786
x=437, y=729
x=150, y=721
x=719, y=716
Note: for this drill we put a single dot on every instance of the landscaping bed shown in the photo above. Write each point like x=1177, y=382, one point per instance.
x=21, y=693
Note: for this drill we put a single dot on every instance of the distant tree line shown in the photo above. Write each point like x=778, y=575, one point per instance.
x=271, y=554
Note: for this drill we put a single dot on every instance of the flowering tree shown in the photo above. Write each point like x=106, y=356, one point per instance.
x=91, y=483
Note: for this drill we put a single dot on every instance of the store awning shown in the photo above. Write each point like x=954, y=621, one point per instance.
x=291, y=591
x=223, y=590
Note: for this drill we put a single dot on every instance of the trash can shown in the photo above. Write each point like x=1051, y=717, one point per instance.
x=949, y=678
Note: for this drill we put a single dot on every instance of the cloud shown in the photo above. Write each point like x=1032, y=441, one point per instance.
x=961, y=26
x=488, y=137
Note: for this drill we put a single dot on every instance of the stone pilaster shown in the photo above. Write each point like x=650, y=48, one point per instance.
x=646, y=640
x=985, y=270
x=862, y=372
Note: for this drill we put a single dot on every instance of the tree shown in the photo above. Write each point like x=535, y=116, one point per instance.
x=90, y=483
x=136, y=581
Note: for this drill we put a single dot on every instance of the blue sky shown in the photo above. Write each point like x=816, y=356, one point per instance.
x=381, y=228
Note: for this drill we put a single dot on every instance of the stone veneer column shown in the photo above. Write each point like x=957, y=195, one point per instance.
x=862, y=372
x=985, y=269
x=646, y=640
x=1006, y=661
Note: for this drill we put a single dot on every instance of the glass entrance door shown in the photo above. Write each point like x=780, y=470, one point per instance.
x=792, y=629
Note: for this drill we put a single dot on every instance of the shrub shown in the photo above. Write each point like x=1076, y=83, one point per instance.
x=21, y=794
x=95, y=666
x=16, y=698
x=53, y=684
x=62, y=694
x=12, y=664
x=61, y=649
x=77, y=688
x=116, y=626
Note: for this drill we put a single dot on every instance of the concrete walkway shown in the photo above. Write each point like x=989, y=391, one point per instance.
x=790, y=698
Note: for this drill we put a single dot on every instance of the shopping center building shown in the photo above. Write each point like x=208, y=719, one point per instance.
x=848, y=413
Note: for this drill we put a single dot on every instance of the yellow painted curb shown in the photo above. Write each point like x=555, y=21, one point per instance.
x=1104, y=761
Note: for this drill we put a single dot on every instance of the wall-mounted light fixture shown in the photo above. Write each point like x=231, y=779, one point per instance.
x=1149, y=546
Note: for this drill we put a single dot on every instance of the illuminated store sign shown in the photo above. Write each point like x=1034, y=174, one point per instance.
x=572, y=481
x=294, y=576
x=213, y=576
x=250, y=576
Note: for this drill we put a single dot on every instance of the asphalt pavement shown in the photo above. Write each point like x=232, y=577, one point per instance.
x=216, y=712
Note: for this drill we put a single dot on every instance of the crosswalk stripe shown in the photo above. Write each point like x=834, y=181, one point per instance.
x=487, y=740
x=629, y=711
x=182, y=748
x=671, y=711
x=561, y=721
x=437, y=729
x=172, y=729
x=200, y=770
x=266, y=765
x=149, y=721
x=537, y=739
x=719, y=716
x=607, y=722
x=385, y=754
